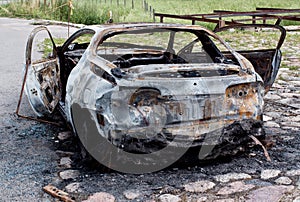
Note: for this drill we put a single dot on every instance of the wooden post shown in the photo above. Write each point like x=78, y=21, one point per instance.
x=253, y=20
x=221, y=23
x=53, y=3
x=69, y=18
x=45, y=2
x=153, y=15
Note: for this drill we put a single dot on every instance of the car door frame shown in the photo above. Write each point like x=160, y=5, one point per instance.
x=268, y=73
x=43, y=93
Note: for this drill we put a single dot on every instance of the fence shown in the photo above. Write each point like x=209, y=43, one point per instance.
x=223, y=17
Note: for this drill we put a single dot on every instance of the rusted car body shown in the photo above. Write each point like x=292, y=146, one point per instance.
x=150, y=83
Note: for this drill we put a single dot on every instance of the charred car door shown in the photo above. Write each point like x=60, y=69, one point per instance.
x=263, y=53
x=43, y=86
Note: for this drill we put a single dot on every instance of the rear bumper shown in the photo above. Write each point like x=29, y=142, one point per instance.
x=229, y=136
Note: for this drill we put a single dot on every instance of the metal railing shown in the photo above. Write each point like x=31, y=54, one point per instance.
x=223, y=17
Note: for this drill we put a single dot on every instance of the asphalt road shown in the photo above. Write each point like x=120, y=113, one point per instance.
x=26, y=159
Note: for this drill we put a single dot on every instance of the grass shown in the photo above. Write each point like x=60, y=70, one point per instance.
x=290, y=67
x=294, y=68
x=84, y=12
x=97, y=11
x=46, y=45
x=256, y=39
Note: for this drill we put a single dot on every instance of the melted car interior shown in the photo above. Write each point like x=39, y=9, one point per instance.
x=128, y=49
x=159, y=47
x=145, y=47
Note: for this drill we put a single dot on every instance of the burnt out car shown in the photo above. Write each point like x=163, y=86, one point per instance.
x=143, y=87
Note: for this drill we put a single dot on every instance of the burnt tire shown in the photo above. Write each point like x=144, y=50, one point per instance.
x=82, y=121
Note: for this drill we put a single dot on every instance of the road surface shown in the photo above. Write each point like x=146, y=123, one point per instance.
x=26, y=158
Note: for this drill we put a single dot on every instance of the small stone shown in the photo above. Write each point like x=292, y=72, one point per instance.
x=281, y=82
x=284, y=76
x=296, y=83
x=225, y=200
x=73, y=187
x=291, y=88
x=201, y=199
x=101, y=197
x=295, y=105
x=64, y=135
x=65, y=162
x=267, y=118
x=169, y=190
x=293, y=173
x=276, y=85
x=283, y=69
x=232, y=176
x=290, y=95
x=131, y=194
x=283, y=180
x=297, y=199
x=271, y=124
x=273, y=114
x=288, y=101
x=295, y=119
x=289, y=155
x=270, y=193
x=272, y=96
x=199, y=186
x=169, y=198
x=234, y=187
x=291, y=124
x=259, y=183
x=286, y=137
x=267, y=174
x=69, y=174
